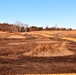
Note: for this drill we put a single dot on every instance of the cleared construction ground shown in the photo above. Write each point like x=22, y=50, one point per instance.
x=44, y=52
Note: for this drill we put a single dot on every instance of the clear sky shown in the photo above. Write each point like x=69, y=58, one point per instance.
x=39, y=12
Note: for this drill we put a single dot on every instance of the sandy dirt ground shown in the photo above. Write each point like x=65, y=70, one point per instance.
x=40, y=52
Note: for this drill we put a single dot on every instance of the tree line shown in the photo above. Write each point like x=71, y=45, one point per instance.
x=11, y=27
x=25, y=28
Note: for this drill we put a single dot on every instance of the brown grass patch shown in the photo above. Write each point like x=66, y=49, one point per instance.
x=47, y=49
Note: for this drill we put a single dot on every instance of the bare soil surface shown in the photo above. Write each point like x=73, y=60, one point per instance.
x=12, y=60
x=38, y=56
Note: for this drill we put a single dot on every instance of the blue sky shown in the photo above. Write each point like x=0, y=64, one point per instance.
x=39, y=12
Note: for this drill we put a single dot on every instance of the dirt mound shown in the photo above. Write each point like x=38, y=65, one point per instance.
x=47, y=50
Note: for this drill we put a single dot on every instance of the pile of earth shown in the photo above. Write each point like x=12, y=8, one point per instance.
x=49, y=49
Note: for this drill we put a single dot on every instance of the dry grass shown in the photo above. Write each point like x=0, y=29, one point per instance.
x=48, y=50
x=71, y=39
x=48, y=57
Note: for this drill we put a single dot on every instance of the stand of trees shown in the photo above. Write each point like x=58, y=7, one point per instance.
x=57, y=28
x=11, y=27
x=25, y=28
x=34, y=28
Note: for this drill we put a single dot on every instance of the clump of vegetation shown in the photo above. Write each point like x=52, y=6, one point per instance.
x=47, y=49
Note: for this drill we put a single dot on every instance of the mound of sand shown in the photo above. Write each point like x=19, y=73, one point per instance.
x=48, y=50
x=16, y=36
